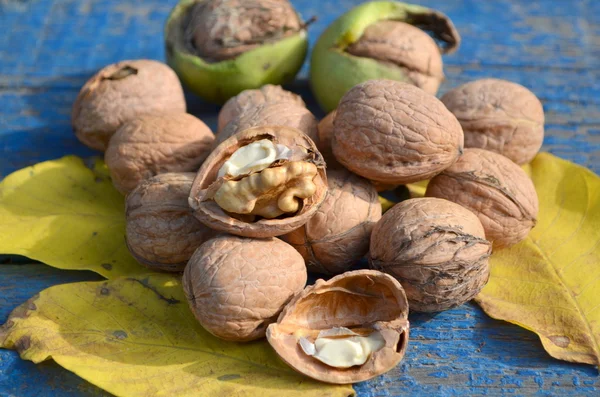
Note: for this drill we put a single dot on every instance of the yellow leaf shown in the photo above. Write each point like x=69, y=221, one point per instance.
x=417, y=189
x=66, y=215
x=550, y=282
x=137, y=337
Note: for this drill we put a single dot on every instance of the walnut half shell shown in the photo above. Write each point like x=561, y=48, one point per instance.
x=266, y=202
x=358, y=303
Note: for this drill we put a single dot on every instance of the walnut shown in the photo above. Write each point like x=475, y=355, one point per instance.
x=254, y=98
x=381, y=40
x=394, y=133
x=497, y=190
x=325, y=132
x=161, y=232
x=237, y=286
x=261, y=182
x=436, y=249
x=121, y=92
x=338, y=235
x=280, y=113
x=406, y=47
x=154, y=144
x=499, y=116
x=220, y=48
x=345, y=330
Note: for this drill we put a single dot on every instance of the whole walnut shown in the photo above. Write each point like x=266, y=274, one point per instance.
x=497, y=190
x=394, y=133
x=436, y=249
x=162, y=232
x=253, y=98
x=280, y=113
x=261, y=182
x=325, y=131
x=347, y=329
x=154, y=144
x=237, y=286
x=121, y=92
x=499, y=116
x=337, y=236
x=404, y=46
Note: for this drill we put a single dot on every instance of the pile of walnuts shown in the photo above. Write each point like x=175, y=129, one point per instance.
x=247, y=212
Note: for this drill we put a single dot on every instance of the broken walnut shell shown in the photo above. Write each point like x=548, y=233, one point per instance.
x=121, y=92
x=161, y=230
x=208, y=183
x=500, y=116
x=436, y=249
x=153, y=144
x=496, y=189
x=253, y=98
x=363, y=301
x=237, y=286
x=279, y=113
x=338, y=235
x=394, y=133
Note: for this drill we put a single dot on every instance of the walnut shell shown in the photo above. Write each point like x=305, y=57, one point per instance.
x=154, y=144
x=394, y=133
x=338, y=235
x=224, y=29
x=253, y=98
x=362, y=299
x=499, y=116
x=405, y=46
x=207, y=183
x=284, y=113
x=497, y=190
x=325, y=132
x=436, y=249
x=237, y=286
x=120, y=92
x=162, y=233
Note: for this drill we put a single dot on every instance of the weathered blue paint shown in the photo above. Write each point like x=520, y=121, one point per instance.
x=49, y=48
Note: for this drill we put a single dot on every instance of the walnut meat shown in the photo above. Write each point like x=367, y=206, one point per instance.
x=394, y=133
x=499, y=116
x=261, y=182
x=121, y=92
x=436, y=249
x=162, y=232
x=404, y=46
x=154, y=144
x=254, y=98
x=345, y=330
x=494, y=188
x=284, y=113
x=338, y=235
x=237, y=286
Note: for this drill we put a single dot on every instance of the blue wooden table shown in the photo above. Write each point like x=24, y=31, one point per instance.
x=49, y=48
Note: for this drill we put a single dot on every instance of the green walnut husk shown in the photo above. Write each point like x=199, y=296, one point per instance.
x=275, y=62
x=333, y=71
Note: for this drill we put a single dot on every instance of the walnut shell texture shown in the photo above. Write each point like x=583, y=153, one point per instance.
x=436, y=249
x=223, y=29
x=394, y=133
x=405, y=46
x=280, y=113
x=237, y=286
x=499, y=116
x=325, y=131
x=497, y=190
x=161, y=232
x=207, y=183
x=365, y=299
x=254, y=98
x=154, y=144
x=121, y=92
x=338, y=235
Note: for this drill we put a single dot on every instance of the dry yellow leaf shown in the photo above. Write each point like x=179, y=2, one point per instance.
x=550, y=282
x=137, y=337
x=67, y=215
